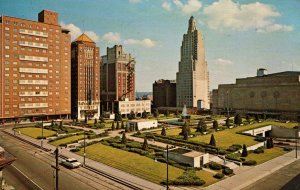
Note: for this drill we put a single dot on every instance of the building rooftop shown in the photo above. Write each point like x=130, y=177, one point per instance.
x=186, y=152
x=83, y=38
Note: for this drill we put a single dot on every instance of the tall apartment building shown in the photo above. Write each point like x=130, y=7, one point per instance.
x=164, y=93
x=117, y=78
x=192, y=86
x=85, y=78
x=34, y=67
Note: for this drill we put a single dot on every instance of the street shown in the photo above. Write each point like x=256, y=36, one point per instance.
x=36, y=164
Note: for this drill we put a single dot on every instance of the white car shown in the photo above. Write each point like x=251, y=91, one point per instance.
x=71, y=163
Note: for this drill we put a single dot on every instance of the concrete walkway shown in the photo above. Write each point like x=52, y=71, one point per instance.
x=248, y=175
x=144, y=184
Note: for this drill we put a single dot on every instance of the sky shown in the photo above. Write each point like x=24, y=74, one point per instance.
x=239, y=36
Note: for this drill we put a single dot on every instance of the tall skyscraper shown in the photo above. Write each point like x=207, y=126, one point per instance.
x=34, y=67
x=117, y=77
x=192, y=80
x=85, y=78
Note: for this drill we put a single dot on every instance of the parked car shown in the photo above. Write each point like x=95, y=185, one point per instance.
x=71, y=163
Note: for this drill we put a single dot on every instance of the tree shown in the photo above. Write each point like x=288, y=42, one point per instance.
x=185, y=129
x=167, y=113
x=245, y=151
x=237, y=119
x=177, y=113
x=201, y=127
x=215, y=124
x=144, y=114
x=185, y=136
x=248, y=119
x=118, y=116
x=269, y=143
x=264, y=116
x=124, y=139
x=227, y=122
x=118, y=125
x=122, y=125
x=156, y=113
x=163, y=131
x=85, y=118
x=60, y=124
x=212, y=141
x=95, y=122
x=256, y=118
x=145, y=145
x=131, y=115
x=52, y=123
x=101, y=118
x=113, y=126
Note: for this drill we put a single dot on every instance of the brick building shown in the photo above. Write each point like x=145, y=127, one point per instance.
x=275, y=95
x=34, y=67
x=117, y=78
x=85, y=78
x=164, y=93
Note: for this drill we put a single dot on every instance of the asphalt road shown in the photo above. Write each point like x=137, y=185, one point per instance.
x=36, y=165
x=287, y=178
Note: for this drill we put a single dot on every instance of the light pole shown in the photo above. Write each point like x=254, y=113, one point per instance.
x=15, y=126
x=167, y=167
x=227, y=103
x=84, y=149
x=296, y=138
x=42, y=132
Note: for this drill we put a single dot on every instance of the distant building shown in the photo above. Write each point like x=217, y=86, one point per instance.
x=164, y=93
x=138, y=107
x=276, y=95
x=85, y=75
x=117, y=78
x=192, y=86
x=35, y=67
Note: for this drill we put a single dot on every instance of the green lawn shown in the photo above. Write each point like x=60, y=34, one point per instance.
x=207, y=177
x=34, y=132
x=269, y=154
x=133, y=163
x=67, y=140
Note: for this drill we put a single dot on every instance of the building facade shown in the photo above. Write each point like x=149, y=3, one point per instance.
x=117, y=77
x=85, y=78
x=164, y=93
x=34, y=67
x=192, y=78
x=276, y=94
x=138, y=107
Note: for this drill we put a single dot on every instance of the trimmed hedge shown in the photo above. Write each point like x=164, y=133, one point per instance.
x=249, y=163
x=214, y=166
x=188, y=178
x=219, y=175
x=227, y=171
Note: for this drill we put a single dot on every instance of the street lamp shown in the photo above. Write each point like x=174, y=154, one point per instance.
x=296, y=138
x=227, y=103
x=84, y=149
x=167, y=167
x=42, y=131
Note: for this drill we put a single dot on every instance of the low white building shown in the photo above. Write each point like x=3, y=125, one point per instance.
x=141, y=124
x=186, y=156
x=138, y=106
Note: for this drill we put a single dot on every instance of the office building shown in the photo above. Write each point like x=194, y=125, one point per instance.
x=164, y=93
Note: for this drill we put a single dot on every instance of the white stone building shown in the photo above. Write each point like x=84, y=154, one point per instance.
x=138, y=107
x=141, y=124
x=192, y=78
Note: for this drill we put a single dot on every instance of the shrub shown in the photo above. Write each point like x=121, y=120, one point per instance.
x=75, y=150
x=214, y=166
x=219, y=175
x=227, y=171
x=259, y=150
x=249, y=163
x=188, y=178
x=40, y=137
x=245, y=151
x=287, y=149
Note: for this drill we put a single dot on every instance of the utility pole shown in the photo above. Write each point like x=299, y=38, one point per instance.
x=84, y=149
x=56, y=167
x=167, y=167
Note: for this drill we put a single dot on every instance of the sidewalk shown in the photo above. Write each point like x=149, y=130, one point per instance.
x=252, y=174
x=144, y=184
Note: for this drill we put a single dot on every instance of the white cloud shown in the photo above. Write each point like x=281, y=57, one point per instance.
x=76, y=31
x=111, y=37
x=241, y=17
x=145, y=42
x=191, y=6
x=167, y=6
x=221, y=61
x=135, y=1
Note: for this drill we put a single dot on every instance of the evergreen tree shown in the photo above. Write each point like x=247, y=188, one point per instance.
x=248, y=119
x=269, y=143
x=118, y=125
x=227, y=122
x=118, y=116
x=101, y=118
x=185, y=136
x=95, y=122
x=124, y=139
x=185, y=129
x=212, y=140
x=85, y=118
x=144, y=114
x=245, y=151
x=264, y=116
x=256, y=118
x=122, y=125
x=163, y=131
x=237, y=119
x=167, y=113
x=113, y=126
x=131, y=115
x=215, y=124
x=60, y=124
x=156, y=113
x=145, y=145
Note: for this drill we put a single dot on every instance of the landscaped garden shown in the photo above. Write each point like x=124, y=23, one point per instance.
x=35, y=132
x=67, y=140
